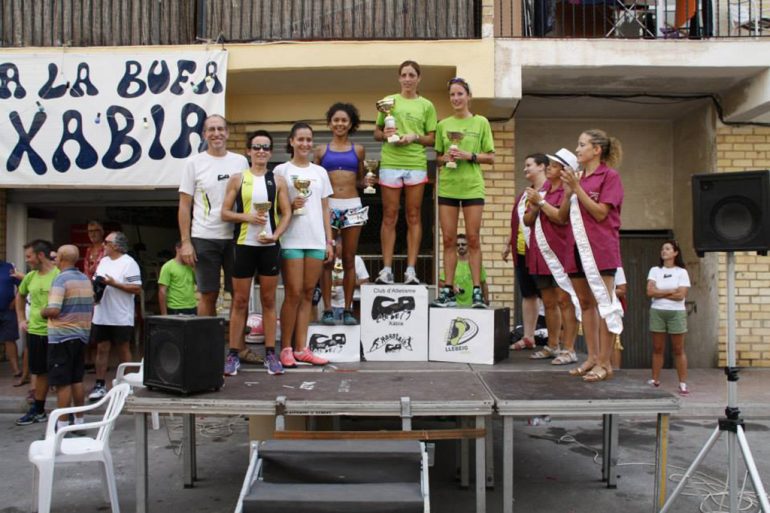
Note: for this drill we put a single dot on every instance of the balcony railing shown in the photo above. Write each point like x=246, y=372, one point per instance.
x=632, y=19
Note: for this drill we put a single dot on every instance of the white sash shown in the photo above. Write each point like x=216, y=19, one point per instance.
x=610, y=308
x=521, y=209
x=557, y=270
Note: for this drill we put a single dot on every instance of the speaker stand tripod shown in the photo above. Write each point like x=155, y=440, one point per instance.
x=731, y=423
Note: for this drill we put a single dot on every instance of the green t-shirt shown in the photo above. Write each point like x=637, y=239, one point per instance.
x=464, y=280
x=180, y=282
x=35, y=288
x=466, y=181
x=413, y=116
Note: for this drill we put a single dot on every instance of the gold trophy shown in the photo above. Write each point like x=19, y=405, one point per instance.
x=262, y=207
x=371, y=166
x=303, y=187
x=455, y=137
x=385, y=106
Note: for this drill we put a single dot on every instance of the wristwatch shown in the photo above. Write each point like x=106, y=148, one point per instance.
x=474, y=158
x=541, y=203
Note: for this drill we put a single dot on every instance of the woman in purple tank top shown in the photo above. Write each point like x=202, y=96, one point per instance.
x=344, y=161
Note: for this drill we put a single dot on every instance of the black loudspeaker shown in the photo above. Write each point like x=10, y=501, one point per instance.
x=731, y=212
x=184, y=353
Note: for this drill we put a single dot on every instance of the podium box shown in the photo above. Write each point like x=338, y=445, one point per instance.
x=338, y=343
x=469, y=335
x=394, y=322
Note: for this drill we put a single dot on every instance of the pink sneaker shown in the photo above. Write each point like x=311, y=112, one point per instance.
x=287, y=358
x=307, y=356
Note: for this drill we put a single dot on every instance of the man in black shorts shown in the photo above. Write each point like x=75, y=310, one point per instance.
x=69, y=310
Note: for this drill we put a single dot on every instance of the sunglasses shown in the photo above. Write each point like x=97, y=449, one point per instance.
x=456, y=80
x=263, y=147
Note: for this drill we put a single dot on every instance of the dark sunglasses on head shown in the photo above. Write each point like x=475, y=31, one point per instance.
x=456, y=80
x=263, y=147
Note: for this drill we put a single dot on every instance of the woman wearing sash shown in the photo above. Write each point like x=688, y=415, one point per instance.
x=548, y=237
x=534, y=171
x=257, y=251
x=461, y=186
x=592, y=203
x=344, y=162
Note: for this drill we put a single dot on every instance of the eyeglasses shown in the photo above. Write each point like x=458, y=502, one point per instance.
x=263, y=147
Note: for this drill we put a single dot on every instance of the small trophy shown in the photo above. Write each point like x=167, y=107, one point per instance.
x=262, y=207
x=455, y=137
x=303, y=187
x=385, y=106
x=371, y=166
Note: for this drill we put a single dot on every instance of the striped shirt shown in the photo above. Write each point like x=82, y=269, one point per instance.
x=72, y=293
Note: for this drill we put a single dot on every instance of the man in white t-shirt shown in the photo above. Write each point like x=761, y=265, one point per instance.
x=117, y=281
x=207, y=241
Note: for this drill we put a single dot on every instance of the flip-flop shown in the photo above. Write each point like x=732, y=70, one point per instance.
x=21, y=381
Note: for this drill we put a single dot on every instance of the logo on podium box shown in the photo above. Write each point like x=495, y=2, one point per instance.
x=394, y=322
x=467, y=335
x=338, y=343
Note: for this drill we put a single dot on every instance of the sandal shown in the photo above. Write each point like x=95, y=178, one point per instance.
x=249, y=356
x=523, y=343
x=581, y=370
x=544, y=354
x=565, y=357
x=21, y=381
x=598, y=373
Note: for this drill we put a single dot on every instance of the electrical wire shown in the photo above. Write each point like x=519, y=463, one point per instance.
x=207, y=427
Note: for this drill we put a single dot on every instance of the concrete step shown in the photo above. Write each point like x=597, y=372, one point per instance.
x=340, y=461
x=334, y=498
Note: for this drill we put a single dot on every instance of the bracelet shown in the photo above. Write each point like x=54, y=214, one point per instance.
x=474, y=158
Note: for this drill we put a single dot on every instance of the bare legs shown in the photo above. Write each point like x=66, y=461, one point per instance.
x=598, y=338
x=680, y=357
x=300, y=276
x=391, y=201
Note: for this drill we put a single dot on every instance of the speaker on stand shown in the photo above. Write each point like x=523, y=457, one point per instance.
x=730, y=213
x=184, y=354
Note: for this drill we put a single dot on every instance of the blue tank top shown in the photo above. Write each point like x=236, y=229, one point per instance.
x=340, y=160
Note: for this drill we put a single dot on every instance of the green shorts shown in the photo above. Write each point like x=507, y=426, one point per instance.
x=294, y=254
x=673, y=322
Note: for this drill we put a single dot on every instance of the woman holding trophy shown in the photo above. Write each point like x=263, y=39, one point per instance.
x=250, y=198
x=463, y=142
x=592, y=202
x=344, y=163
x=305, y=245
x=406, y=124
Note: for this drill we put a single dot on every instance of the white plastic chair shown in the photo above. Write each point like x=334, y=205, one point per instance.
x=44, y=454
x=135, y=380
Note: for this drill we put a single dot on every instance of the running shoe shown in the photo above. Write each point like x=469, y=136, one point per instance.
x=31, y=417
x=653, y=383
x=348, y=319
x=683, y=390
x=287, y=358
x=232, y=364
x=97, y=392
x=307, y=356
x=446, y=298
x=477, y=299
x=327, y=318
x=410, y=277
x=273, y=364
x=385, y=277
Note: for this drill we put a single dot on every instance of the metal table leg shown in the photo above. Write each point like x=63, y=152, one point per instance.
x=188, y=449
x=481, y=468
x=465, y=479
x=142, y=485
x=489, y=443
x=612, y=456
x=605, y=445
x=661, y=461
x=507, y=464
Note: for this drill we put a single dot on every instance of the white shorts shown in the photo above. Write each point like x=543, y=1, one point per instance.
x=398, y=178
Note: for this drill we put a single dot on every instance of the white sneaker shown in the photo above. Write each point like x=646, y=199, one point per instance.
x=410, y=277
x=384, y=277
x=97, y=393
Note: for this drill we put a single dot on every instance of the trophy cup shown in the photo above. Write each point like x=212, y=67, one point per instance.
x=371, y=167
x=455, y=137
x=303, y=187
x=385, y=106
x=262, y=207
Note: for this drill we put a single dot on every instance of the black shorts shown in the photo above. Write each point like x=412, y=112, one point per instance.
x=114, y=334
x=66, y=362
x=213, y=255
x=527, y=285
x=581, y=273
x=182, y=311
x=9, y=326
x=253, y=261
x=544, y=281
x=454, y=202
x=37, y=345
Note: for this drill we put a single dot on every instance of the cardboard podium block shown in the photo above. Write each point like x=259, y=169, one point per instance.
x=469, y=335
x=338, y=343
x=394, y=323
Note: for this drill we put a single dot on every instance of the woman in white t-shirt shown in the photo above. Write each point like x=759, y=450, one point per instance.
x=305, y=245
x=667, y=285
